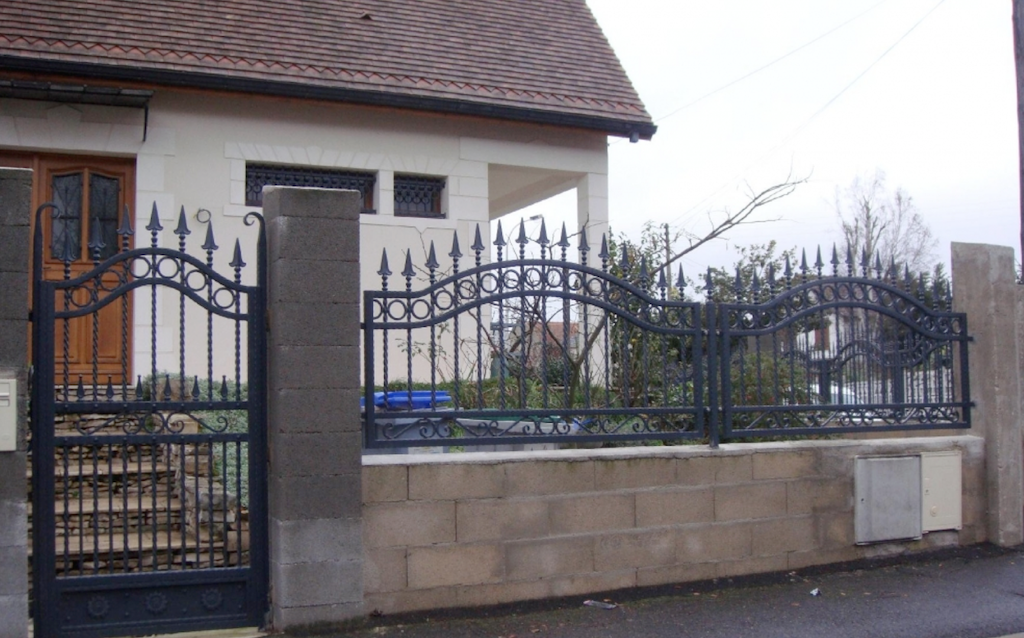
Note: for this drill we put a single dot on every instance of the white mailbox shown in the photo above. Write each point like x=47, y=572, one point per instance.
x=8, y=415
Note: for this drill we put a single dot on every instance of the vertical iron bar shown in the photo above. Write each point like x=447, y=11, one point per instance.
x=719, y=409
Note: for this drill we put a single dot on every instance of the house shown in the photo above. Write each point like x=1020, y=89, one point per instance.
x=444, y=115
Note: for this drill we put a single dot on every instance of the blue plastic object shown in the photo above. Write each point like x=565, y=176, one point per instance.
x=404, y=400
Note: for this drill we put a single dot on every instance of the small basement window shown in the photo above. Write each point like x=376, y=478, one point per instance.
x=417, y=196
x=259, y=175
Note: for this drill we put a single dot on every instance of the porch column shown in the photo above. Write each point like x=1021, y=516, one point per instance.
x=592, y=207
x=316, y=552
x=985, y=287
x=15, y=211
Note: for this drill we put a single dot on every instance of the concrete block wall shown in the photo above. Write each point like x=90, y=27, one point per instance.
x=15, y=208
x=479, y=529
x=316, y=559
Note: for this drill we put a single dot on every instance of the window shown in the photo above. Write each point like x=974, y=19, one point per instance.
x=418, y=196
x=259, y=175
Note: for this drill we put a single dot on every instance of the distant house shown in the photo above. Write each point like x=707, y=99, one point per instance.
x=444, y=115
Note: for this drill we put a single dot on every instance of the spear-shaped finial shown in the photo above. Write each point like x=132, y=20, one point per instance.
x=236, y=260
x=543, y=239
x=182, y=230
x=432, y=264
x=154, y=221
x=384, y=271
x=835, y=261
x=125, y=230
x=408, y=272
x=499, y=238
x=803, y=264
x=603, y=255
x=818, y=263
x=681, y=281
x=455, y=252
x=210, y=245
x=96, y=243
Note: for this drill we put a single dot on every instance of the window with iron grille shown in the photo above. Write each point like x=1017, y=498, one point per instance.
x=417, y=196
x=259, y=175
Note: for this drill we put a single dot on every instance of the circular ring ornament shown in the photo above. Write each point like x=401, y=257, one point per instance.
x=98, y=607
x=211, y=599
x=156, y=603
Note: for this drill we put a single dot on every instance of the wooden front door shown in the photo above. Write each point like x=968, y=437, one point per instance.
x=90, y=194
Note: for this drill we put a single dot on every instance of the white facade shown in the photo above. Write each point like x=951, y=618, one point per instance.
x=198, y=143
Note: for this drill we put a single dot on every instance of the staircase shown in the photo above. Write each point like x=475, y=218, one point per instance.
x=123, y=509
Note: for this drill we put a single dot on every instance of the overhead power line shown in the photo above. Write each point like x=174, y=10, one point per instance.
x=803, y=125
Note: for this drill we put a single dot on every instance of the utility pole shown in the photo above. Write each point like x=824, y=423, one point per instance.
x=1018, y=53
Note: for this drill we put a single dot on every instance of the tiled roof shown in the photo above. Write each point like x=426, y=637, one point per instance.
x=506, y=58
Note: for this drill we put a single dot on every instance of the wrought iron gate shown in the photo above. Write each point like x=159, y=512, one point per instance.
x=148, y=485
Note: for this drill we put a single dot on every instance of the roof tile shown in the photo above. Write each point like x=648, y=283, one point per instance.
x=534, y=54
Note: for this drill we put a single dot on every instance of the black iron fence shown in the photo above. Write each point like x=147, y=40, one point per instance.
x=148, y=486
x=545, y=350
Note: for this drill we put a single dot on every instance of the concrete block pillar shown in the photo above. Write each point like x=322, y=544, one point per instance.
x=15, y=211
x=316, y=554
x=985, y=287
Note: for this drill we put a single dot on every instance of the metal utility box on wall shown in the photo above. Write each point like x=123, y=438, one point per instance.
x=941, y=491
x=887, y=502
x=8, y=415
x=903, y=497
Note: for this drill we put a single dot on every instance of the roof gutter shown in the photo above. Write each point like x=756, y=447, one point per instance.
x=623, y=128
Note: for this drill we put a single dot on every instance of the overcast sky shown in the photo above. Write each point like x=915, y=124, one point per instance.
x=932, y=105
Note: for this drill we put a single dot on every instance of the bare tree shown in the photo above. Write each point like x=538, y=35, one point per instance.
x=884, y=225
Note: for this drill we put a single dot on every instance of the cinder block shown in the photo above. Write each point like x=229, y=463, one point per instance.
x=14, y=616
x=291, y=618
x=835, y=530
x=315, y=540
x=409, y=524
x=499, y=593
x=734, y=469
x=316, y=454
x=634, y=549
x=592, y=513
x=664, y=575
x=320, y=583
x=800, y=560
x=752, y=500
x=15, y=286
x=694, y=471
x=397, y=602
x=382, y=483
x=543, y=559
x=384, y=569
x=314, y=367
x=745, y=566
x=13, y=570
x=311, y=497
x=501, y=519
x=783, y=535
x=451, y=481
x=531, y=478
x=315, y=324
x=291, y=238
x=13, y=486
x=623, y=474
x=455, y=565
x=14, y=521
x=819, y=495
x=297, y=410
x=14, y=245
x=313, y=281
x=782, y=465
x=675, y=507
x=704, y=543
x=592, y=583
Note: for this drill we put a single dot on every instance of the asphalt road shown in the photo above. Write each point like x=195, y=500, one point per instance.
x=972, y=593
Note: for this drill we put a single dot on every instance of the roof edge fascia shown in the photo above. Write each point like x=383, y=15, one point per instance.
x=167, y=77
